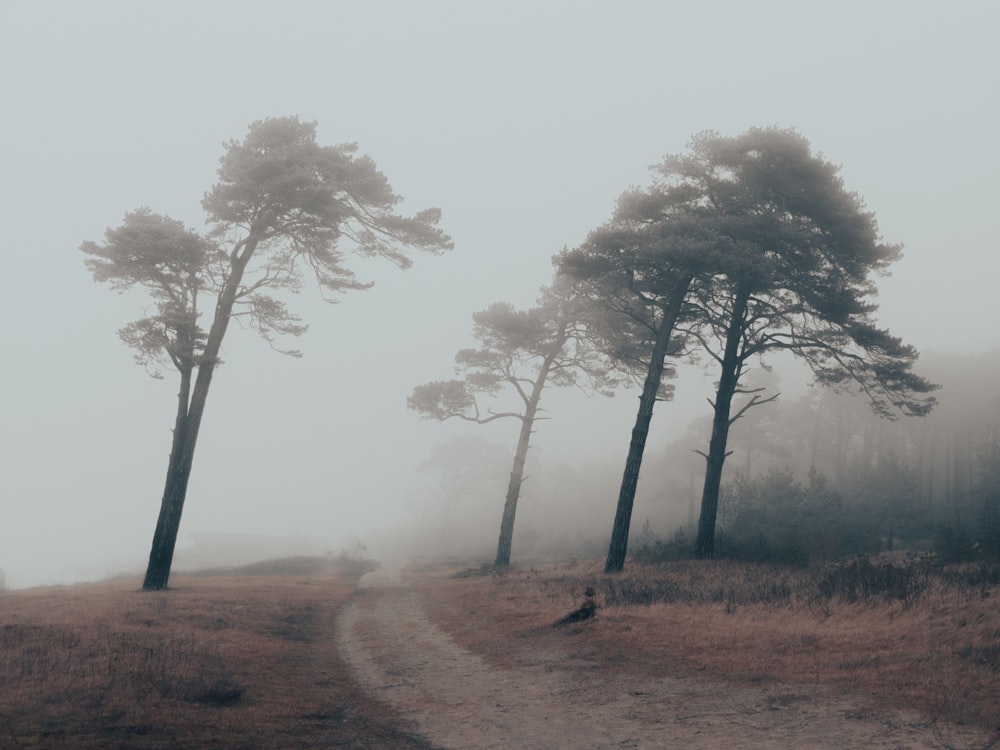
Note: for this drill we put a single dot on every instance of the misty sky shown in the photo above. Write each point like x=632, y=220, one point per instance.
x=523, y=122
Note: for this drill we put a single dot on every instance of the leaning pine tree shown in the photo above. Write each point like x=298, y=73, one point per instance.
x=640, y=268
x=798, y=253
x=524, y=351
x=282, y=207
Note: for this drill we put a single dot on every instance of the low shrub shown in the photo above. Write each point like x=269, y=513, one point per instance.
x=704, y=583
x=974, y=580
x=861, y=579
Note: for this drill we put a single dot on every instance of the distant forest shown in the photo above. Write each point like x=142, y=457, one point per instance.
x=822, y=476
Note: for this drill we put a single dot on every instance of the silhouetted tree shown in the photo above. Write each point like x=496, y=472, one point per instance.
x=524, y=351
x=641, y=266
x=282, y=206
x=795, y=274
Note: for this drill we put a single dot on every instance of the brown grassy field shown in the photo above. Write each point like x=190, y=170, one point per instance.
x=248, y=658
x=909, y=635
x=238, y=659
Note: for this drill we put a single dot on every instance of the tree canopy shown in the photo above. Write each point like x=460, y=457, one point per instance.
x=169, y=263
x=744, y=245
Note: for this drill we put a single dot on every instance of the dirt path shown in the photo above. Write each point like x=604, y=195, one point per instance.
x=457, y=700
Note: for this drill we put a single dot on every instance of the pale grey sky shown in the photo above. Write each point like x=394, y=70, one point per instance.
x=522, y=121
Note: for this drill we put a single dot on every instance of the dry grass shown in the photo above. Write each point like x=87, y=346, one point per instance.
x=922, y=637
x=247, y=658
x=239, y=659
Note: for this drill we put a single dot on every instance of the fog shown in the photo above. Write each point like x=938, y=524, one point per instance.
x=523, y=124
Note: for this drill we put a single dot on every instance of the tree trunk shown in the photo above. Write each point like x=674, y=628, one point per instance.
x=520, y=456
x=731, y=361
x=186, y=429
x=514, y=491
x=161, y=554
x=651, y=386
x=178, y=473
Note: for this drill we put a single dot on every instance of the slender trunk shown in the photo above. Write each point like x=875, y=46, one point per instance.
x=633, y=462
x=514, y=491
x=705, y=543
x=168, y=523
x=520, y=456
x=165, y=519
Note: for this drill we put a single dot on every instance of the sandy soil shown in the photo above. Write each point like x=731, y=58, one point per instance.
x=456, y=700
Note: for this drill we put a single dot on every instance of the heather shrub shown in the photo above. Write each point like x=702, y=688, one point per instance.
x=861, y=579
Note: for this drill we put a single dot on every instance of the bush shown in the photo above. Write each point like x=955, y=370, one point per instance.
x=862, y=580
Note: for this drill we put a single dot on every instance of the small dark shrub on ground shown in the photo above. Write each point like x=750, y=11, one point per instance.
x=862, y=580
x=975, y=580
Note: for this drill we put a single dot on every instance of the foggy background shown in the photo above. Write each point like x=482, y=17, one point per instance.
x=523, y=122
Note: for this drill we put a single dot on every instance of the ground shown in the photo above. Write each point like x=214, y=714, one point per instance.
x=550, y=693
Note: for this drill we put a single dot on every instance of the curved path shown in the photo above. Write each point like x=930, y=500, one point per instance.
x=457, y=700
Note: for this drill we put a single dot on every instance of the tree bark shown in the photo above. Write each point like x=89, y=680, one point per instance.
x=160, y=557
x=514, y=492
x=633, y=462
x=187, y=426
x=520, y=456
x=705, y=543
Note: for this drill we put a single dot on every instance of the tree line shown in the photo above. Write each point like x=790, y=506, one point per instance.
x=741, y=246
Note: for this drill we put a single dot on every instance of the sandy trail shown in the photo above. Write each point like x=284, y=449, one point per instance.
x=457, y=700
